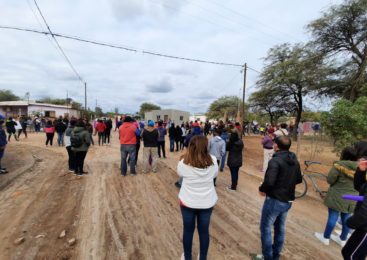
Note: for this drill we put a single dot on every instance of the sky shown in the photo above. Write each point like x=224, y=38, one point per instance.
x=231, y=31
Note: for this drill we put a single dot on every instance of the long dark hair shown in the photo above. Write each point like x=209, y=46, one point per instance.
x=197, y=154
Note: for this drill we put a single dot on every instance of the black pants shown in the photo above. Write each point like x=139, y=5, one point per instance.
x=24, y=130
x=71, y=158
x=12, y=132
x=356, y=246
x=161, y=144
x=215, y=179
x=101, y=137
x=177, y=144
x=182, y=141
x=79, y=161
x=107, y=135
x=49, y=138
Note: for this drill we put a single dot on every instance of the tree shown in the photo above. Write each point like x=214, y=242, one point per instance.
x=342, y=30
x=269, y=101
x=291, y=73
x=7, y=95
x=55, y=101
x=346, y=122
x=147, y=107
x=226, y=104
x=98, y=112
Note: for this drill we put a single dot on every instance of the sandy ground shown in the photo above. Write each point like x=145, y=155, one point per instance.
x=115, y=217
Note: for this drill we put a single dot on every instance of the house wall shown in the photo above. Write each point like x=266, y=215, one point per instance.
x=200, y=118
x=176, y=116
x=13, y=111
x=53, y=111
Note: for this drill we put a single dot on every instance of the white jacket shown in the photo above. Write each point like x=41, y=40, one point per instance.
x=197, y=190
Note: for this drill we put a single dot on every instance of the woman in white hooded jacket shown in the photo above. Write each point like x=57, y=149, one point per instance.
x=197, y=195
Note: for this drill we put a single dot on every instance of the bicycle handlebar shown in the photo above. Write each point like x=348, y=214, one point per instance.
x=309, y=163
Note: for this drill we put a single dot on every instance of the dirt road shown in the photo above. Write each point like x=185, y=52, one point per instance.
x=115, y=217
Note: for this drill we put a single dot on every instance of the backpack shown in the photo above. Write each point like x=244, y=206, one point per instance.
x=75, y=140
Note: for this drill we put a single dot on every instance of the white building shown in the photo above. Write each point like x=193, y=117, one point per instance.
x=31, y=108
x=166, y=115
x=198, y=117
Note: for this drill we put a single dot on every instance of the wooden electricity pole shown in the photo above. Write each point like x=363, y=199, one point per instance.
x=243, y=97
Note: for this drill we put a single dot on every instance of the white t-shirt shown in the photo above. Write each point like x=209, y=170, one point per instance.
x=281, y=132
x=197, y=190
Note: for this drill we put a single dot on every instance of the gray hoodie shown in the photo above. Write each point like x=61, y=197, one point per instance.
x=217, y=147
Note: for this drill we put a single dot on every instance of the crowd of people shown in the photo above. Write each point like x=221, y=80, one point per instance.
x=198, y=168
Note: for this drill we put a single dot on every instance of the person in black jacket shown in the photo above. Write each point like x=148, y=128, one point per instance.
x=150, y=137
x=178, y=137
x=281, y=178
x=356, y=246
x=234, y=161
x=10, y=128
x=172, y=137
x=60, y=128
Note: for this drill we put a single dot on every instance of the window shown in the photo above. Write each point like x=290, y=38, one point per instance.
x=181, y=118
x=158, y=118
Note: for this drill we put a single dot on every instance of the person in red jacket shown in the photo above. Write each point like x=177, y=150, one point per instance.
x=100, y=129
x=127, y=132
x=50, y=132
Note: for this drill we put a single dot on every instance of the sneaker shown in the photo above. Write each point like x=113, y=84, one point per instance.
x=71, y=170
x=133, y=174
x=323, y=240
x=256, y=256
x=3, y=171
x=229, y=188
x=337, y=240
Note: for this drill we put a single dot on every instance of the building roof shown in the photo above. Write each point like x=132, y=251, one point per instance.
x=32, y=103
x=168, y=110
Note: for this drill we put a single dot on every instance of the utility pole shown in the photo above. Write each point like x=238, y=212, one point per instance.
x=67, y=102
x=243, y=97
x=85, y=96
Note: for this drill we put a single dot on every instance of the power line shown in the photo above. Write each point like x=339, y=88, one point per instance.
x=120, y=47
x=57, y=43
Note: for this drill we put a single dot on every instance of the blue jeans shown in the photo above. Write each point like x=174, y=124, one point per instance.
x=234, y=176
x=189, y=218
x=60, y=138
x=331, y=222
x=171, y=144
x=222, y=164
x=128, y=149
x=274, y=213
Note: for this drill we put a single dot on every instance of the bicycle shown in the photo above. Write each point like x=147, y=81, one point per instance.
x=313, y=176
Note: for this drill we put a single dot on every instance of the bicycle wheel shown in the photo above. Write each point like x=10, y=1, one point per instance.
x=301, y=189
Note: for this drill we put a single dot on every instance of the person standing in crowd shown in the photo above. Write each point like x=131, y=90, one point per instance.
x=71, y=154
x=282, y=131
x=178, y=137
x=10, y=128
x=225, y=136
x=18, y=127
x=281, y=178
x=127, y=132
x=100, y=129
x=138, y=142
x=161, y=139
x=207, y=127
x=234, y=161
x=23, y=124
x=268, y=147
x=196, y=128
x=60, y=128
x=80, y=142
x=356, y=246
x=50, y=132
x=217, y=148
x=108, y=130
x=183, y=137
x=197, y=195
x=37, y=125
x=150, y=137
x=89, y=128
x=172, y=137
x=3, y=144
x=340, y=179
